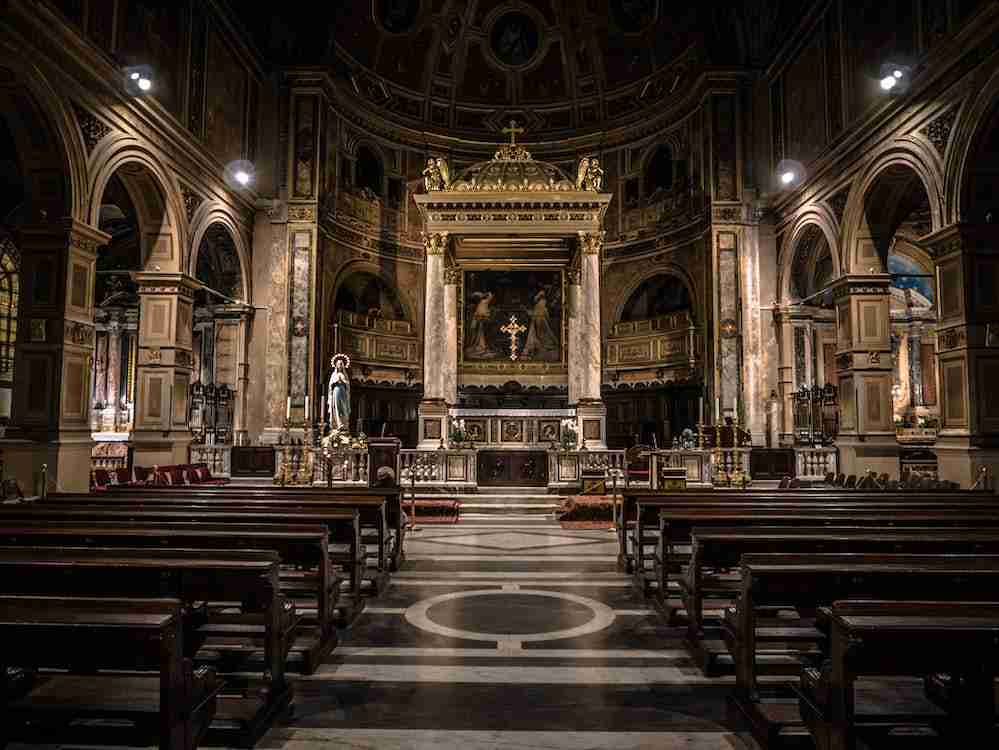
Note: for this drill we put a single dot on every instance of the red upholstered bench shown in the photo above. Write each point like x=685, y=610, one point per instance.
x=201, y=474
x=100, y=480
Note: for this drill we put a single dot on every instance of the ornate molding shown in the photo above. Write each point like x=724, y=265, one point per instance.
x=452, y=275
x=302, y=213
x=938, y=130
x=952, y=338
x=94, y=130
x=591, y=243
x=77, y=333
x=435, y=243
x=191, y=201
x=574, y=277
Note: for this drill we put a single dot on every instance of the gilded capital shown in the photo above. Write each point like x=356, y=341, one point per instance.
x=452, y=275
x=591, y=242
x=435, y=243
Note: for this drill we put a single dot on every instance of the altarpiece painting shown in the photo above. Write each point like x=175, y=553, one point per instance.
x=513, y=316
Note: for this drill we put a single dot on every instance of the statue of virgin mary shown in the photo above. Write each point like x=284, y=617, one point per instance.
x=338, y=396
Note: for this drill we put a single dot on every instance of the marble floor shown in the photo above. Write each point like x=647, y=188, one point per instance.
x=509, y=633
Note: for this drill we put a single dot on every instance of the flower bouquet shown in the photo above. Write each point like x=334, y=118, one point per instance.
x=458, y=433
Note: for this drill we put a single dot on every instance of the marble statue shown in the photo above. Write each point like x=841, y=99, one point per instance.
x=338, y=396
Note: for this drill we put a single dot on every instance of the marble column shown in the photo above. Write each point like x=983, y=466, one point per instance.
x=113, y=404
x=164, y=367
x=784, y=329
x=967, y=351
x=915, y=341
x=863, y=363
x=575, y=311
x=433, y=406
x=585, y=363
x=54, y=357
x=452, y=277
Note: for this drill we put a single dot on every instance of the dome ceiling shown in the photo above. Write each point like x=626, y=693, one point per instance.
x=556, y=65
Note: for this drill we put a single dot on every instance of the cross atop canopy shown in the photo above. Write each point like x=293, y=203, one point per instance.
x=513, y=131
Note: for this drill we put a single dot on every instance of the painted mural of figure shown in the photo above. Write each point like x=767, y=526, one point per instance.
x=338, y=396
x=541, y=339
x=477, y=344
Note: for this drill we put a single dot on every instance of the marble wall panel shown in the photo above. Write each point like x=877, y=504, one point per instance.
x=300, y=300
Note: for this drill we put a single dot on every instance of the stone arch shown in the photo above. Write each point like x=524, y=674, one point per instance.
x=215, y=218
x=350, y=270
x=877, y=198
x=156, y=196
x=664, y=270
x=812, y=219
x=976, y=128
x=47, y=140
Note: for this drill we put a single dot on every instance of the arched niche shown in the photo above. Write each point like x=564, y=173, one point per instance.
x=367, y=293
x=217, y=264
x=660, y=294
x=658, y=175
x=369, y=172
x=812, y=267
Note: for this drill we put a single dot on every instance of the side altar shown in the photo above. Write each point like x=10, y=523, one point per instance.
x=513, y=266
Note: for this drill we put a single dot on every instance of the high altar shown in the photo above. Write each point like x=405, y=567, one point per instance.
x=513, y=269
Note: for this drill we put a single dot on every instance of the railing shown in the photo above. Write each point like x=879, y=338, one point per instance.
x=217, y=457
x=345, y=466
x=568, y=469
x=448, y=470
x=109, y=455
x=812, y=464
x=728, y=465
x=696, y=462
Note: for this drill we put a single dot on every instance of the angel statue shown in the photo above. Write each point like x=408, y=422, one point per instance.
x=594, y=176
x=581, y=172
x=432, y=178
x=338, y=396
x=444, y=172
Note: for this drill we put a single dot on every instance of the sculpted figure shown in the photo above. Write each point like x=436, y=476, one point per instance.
x=581, y=173
x=432, y=178
x=594, y=176
x=338, y=395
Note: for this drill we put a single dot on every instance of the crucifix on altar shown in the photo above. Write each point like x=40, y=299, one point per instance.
x=513, y=300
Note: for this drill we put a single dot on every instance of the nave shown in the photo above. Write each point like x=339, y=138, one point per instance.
x=510, y=633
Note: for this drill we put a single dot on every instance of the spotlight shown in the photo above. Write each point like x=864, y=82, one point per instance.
x=790, y=173
x=138, y=80
x=239, y=174
x=894, y=77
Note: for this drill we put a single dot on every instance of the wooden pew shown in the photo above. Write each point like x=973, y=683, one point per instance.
x=372, y=511
x=720, y=549
x=639, y=507
x=806, y=582
x=675, y=522
x=344, y=544
x=175, y=703
x=307, y=578
x=391, y=495
x=905, y=638
x=241, y=587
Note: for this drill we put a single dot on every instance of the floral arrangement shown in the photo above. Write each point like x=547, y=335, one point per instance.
x=570, y=434
x=458, y=433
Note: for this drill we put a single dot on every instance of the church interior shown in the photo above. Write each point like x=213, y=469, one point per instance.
x=499, y=374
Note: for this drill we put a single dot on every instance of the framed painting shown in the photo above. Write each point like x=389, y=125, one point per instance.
x=512, y=320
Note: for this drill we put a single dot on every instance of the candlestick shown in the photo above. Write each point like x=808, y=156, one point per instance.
x=322, y=410
x=307, y=413
x=717, y=409
x=287, y=409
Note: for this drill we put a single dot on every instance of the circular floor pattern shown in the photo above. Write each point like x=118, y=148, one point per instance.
x=523, y=615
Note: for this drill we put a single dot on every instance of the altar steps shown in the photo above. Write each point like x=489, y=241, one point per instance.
x=508, y=503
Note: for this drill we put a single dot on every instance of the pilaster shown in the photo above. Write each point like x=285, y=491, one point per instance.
x=164, y=369
x=55, y=351
x=967, y=350
x=585, y=362
x=438, y=369
x=863, y=363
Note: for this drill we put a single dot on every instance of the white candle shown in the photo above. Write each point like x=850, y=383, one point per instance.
x=700, y=410
x=306, y=407
x=287, y=410
x=717, y=409
x=322, y=409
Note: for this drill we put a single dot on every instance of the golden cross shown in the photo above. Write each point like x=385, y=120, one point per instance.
x=512, y=329
x=514, y=131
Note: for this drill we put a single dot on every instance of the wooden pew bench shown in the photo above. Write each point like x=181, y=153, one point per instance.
x=306, y=577
x=344, y=544
x=905, y=638
x=806, y=582
x=712, y=569
x=372, y=512
x=246, y=614
x=99, y=639
x=392, y=536
x=677, y=522
x=639, y=508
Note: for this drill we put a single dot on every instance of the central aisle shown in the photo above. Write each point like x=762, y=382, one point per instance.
x=509, y=632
